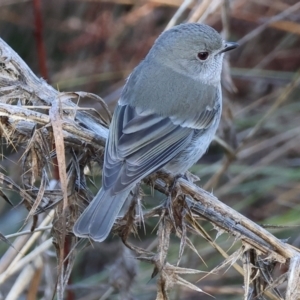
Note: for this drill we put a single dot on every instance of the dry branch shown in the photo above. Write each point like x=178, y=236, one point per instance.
x=84, y=137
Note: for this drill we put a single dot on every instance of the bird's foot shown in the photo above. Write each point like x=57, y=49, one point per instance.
x=190, y=177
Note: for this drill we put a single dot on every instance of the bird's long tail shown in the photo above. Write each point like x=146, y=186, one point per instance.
x=99, y=217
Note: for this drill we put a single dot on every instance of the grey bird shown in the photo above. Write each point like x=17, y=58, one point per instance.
x=166, y=117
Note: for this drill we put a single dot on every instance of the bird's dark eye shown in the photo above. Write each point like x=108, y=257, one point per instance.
x=203, y=55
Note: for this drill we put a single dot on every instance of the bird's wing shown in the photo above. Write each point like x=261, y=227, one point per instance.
x=140, y=143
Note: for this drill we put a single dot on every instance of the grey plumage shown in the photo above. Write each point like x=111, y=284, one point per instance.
x=166, y=117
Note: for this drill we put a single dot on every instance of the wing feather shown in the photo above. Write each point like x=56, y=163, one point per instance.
x=141, y=143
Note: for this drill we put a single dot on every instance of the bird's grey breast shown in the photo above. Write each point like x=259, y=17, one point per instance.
x=171, y=93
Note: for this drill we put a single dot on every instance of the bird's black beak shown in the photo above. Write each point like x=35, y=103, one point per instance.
x=229, y=46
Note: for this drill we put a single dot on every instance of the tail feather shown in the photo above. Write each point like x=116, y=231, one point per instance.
x=99, y=217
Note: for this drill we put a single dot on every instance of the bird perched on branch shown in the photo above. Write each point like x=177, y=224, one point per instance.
x=166, y=118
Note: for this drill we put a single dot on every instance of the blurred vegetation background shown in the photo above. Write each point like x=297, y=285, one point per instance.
x=92, y=46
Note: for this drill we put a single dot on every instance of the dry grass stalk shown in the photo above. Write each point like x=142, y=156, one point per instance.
x=36, y=117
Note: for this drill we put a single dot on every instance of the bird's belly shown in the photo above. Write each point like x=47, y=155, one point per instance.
x=189, y=156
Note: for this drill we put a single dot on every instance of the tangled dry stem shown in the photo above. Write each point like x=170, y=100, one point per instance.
x=47, y=125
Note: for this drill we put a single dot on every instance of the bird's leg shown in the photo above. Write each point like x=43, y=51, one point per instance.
x=172, y=206
x=187, y=176
x=190, y=177
x=173, y=190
